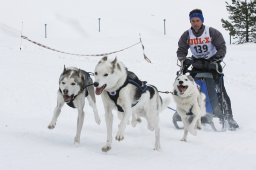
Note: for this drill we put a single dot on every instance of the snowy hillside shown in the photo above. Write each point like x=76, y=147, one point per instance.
x=29, y=83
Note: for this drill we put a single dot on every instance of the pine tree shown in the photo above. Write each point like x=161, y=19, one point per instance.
x=243, y=20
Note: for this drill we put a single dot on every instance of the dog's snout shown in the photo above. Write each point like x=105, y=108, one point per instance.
x=96, y=84
x=180, y=82
x=65, y=91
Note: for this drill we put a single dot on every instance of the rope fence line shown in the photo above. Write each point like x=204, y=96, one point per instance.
x=92, y=55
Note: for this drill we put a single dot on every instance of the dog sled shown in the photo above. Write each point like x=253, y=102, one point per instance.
x=211, y=84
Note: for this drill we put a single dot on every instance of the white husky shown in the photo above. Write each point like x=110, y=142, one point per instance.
x=74, y=86
x=190, y=103
x=121, y=89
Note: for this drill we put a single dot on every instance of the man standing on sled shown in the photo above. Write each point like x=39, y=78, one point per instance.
x=207, y=46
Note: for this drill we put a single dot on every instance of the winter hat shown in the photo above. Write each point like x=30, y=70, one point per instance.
x=196, y=13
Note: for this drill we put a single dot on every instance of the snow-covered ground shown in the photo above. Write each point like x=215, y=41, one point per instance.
x=29, y=82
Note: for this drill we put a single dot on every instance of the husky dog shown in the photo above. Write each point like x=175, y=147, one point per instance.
x=74, y=86
x=190, y=104
x=122, y=90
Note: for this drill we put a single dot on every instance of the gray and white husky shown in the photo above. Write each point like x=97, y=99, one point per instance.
x=190, y=103
x=74, y=86
x=122, y=90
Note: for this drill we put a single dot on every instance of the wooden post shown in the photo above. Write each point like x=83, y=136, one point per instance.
x=99, y=23
x=21, y=32
x=45, y=30
x=164, y=27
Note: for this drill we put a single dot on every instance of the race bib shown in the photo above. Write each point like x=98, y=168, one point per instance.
x=201, y=47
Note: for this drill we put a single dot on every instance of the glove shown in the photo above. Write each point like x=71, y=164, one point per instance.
x=187, y=62
x=207, y=65
x=217, y=58
x=200, y=64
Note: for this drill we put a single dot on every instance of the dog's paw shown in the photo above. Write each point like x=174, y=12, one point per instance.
x=150, y=128
x=51, y=126
x=119, y=136
x=193, y=131
x=97, y=120
x=77, y=140
x=199, y=126
x=183, y=140
x=105, y=148
x=157, y=147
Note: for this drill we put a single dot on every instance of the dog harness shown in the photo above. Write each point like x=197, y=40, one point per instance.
x=141, y=88
x=190, y=113
x=71, y=103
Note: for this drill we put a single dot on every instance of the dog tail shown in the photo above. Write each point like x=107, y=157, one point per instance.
x=161, y=103
x=164, y=103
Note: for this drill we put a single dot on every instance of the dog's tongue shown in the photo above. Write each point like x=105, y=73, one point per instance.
x=67, y=98
x=98, y=91
x=182, y=89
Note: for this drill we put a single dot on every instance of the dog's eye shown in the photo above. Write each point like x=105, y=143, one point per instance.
x=95, y=73
x=73, y=84
x=105, y=75
x=63, y=83
x=186, y=79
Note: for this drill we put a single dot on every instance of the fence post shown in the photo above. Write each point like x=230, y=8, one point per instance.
x=99, y=23
x=21, y=33
x=164, y=27
x=45, y=30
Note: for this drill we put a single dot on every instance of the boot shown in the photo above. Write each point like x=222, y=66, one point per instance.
x=232, y=123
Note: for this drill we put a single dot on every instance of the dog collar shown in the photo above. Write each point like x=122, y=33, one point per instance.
x=112, y=93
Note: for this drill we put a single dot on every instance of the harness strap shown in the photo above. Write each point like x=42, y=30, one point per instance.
x=190, y=113
x=71, y=102
x=141, y=86
x=114, y=96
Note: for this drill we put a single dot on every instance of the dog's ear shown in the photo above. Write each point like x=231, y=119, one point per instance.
x=64, y=70
x=114, y=61
x=105, y=58
x=80, y=74
x=191, y=78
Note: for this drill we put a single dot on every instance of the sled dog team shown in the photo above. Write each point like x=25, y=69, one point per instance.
x=122, y=90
